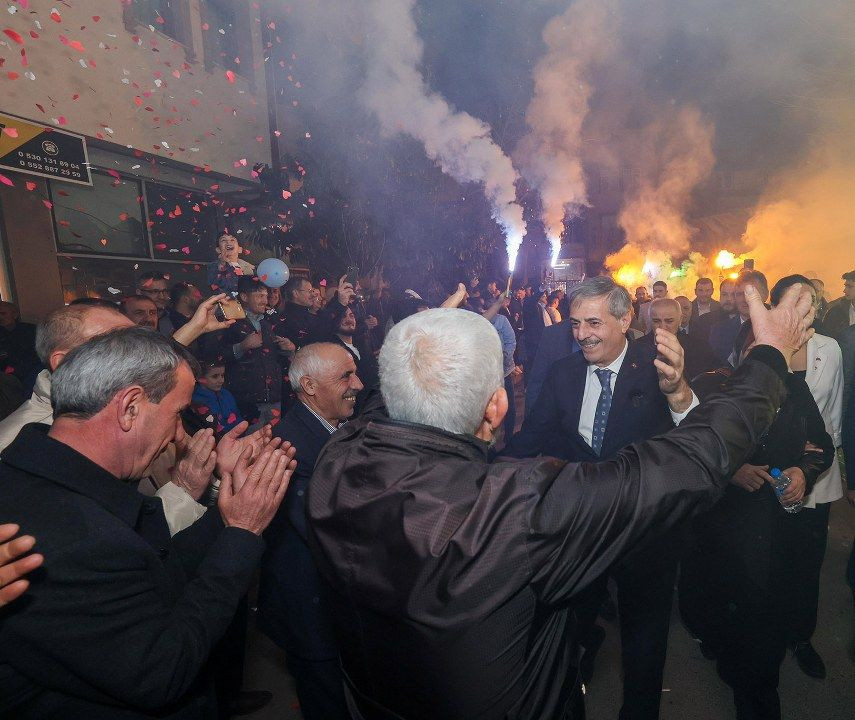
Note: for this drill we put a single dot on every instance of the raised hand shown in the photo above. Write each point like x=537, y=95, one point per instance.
x=262, y=485
x=196, y=461
x=345, y=291
x=456, y=298
x=12, y=570
x=203, y=321
x=786, y=327
x=670, y=367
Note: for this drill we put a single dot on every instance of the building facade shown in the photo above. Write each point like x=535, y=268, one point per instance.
x=169, y=99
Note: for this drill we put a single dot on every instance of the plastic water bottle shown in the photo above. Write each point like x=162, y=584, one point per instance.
x=782, y=482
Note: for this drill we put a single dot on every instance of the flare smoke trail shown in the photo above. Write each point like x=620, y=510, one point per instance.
x=675, y=152
x=398, y=95
x=551, y=153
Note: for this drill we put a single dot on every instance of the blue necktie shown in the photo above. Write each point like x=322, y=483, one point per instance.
x=604, y=404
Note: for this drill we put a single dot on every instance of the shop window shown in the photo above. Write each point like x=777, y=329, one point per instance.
x=171, y=17
x=113, y=279
x=228, y=41
x=182, y=223
x=105, y=219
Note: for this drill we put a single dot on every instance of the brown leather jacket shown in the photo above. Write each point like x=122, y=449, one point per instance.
x=451, y=577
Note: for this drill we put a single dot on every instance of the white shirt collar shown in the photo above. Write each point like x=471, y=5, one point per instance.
x=616, y=363
x=330, y=428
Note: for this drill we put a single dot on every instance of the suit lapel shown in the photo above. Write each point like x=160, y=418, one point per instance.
x=626, y=387
x=578, y=380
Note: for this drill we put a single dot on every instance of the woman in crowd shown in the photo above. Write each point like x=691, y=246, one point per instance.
x=820, y=363
x=738, y=586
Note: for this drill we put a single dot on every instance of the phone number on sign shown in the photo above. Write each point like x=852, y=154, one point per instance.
x=49, y=165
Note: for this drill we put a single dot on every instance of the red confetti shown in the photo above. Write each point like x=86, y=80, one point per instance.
x=55, y=16
x=12, y=75
x=30, y=186
x=11, y=132
x=138, y=101
x=96, y=18
x=103, y=241
x=47, y=203
x=6, y=181
x=114, y=174
x=160, y=246
x=177, y=211
x=61, y=120
x=230, y=76
x=231, y=418
x=14, y=35
x=185, y=250
x=123, y=216
x=286, y=194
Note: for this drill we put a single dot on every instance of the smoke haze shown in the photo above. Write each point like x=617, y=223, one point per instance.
x=691, y=126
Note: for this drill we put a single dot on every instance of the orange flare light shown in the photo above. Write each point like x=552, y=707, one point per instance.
x=725, y=260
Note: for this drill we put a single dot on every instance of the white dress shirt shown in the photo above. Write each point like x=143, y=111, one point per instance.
x=592, y=396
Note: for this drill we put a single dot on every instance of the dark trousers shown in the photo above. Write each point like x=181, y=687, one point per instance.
x=750, y=655
x=809, y=536
x=645, y=590
x=319, y=688
x=645, y=583
x=227, y=659
x=511, y=417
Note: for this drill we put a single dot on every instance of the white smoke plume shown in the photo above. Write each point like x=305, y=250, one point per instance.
x=551, y=153
x=396, y=92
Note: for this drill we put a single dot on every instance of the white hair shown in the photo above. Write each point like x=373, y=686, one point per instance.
x=309, y=361
x=440, y=368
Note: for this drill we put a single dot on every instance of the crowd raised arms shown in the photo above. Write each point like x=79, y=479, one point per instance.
x=364, y=447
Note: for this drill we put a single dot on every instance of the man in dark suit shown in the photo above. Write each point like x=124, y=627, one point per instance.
x=725, y=334
x=665, y=313
x=700, y=326
x=593, y=404
x=251, y=350
x=556, y=343
x=292, y=603
x=703, y=304
x=120, y=620
x=841, y=313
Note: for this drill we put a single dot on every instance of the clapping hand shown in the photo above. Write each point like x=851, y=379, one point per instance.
x=196, y=461
x=251, y=494
x=232, y=445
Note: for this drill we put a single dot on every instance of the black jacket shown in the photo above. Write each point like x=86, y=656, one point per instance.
x=120, y=620
x=639, y=409
x=738, y=574
x=256, y=376
x=291, y=603
x=452, y=576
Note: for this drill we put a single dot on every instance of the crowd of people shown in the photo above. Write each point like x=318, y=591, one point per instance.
x=426, y=548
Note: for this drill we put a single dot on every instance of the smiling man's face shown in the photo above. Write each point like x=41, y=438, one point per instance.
x=600, y=334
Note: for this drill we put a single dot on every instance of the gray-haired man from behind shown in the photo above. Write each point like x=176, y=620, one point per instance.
x=122, y=618
x=451, y=576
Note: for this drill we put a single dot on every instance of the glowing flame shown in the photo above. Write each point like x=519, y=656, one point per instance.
x=725, y=260
x=512, y=243
x=555, y=242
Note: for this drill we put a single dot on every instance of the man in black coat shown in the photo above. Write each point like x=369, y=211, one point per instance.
x=292, y=600
x=121, y=618
x=841, y=313
x=593, y=404
x=452, y=577
x=251, y=349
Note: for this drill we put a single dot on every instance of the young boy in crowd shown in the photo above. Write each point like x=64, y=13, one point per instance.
x=214, y=406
